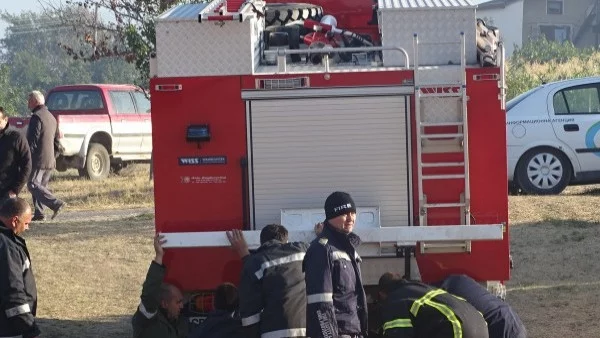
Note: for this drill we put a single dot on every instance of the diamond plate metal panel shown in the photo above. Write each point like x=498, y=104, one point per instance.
x=438, y=31
x=188, y=48
x=408, y=4
x=441, y=109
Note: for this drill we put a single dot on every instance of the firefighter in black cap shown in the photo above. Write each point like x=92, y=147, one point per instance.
x=336, y=302
x=411, y=309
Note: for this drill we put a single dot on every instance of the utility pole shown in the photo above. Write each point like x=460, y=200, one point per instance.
x=95, y=30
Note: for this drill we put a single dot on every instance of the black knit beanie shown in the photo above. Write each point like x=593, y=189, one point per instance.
x=338, y=203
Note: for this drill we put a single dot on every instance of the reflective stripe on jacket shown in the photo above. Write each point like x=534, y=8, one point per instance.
x=272, y=291
x=18, y=293
x=417, y=310
x=149, y=321
x=334, y=290
x=502, y=320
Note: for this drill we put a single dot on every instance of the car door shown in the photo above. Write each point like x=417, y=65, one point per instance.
x=127, y=125
x=143, y=107
x=575, y=114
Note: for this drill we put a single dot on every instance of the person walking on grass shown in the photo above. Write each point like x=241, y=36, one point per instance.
x=42, y=135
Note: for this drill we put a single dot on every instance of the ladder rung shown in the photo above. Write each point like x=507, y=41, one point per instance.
x=442, y=124
x=444, y=205
x=432, y=136
x=443, y=177
x=443, y=164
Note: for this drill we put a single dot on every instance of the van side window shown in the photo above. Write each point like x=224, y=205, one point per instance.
x=577, y=100
x=142, y=102
x=122, y=102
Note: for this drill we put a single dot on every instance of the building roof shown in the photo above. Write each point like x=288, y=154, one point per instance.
x=496, y=4
x=424, y=4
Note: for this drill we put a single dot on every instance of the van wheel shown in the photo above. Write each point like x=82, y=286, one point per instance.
x=278, y=14
x=544, y=171
x=97, y=163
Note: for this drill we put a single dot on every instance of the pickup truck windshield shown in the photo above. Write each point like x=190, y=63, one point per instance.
x=75, y=100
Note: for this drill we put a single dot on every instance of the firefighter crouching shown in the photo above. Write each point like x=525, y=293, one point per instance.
x=336, y=300
x=272, y=289
x=502, y=320
x=416, y=310
x=158, y=314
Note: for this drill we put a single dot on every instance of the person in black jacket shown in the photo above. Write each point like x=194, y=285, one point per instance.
x=502, y=320
x=272, y=289
x=15, y=159
x=411, y=309
x=159, y=312
x=18, y=293
x=42, y=135
x=337, y=305
x=224, y=320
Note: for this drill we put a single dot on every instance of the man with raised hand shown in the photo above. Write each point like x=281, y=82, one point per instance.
x=158, y=315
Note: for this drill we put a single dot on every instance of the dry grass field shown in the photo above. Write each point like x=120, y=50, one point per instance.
x=130, y=189
x=89, y=272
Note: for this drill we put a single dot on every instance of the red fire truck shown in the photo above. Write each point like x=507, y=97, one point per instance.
x=261, y=110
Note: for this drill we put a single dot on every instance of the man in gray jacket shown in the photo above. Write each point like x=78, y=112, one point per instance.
x=41, y=135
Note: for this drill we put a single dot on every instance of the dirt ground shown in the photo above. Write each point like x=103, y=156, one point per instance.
x=90, y=265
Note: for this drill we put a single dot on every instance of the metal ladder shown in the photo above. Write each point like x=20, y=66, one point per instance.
x=434, y=101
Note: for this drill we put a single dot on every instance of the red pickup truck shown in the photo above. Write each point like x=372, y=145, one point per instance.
x=102, y=127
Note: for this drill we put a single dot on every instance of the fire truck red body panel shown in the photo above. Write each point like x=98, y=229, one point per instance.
x=187, y=199
x=210, y=79
x=203, y=204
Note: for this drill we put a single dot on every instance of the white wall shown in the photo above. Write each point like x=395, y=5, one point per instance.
x=510, y=22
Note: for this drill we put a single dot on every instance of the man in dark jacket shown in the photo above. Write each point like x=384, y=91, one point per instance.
x=224, y=320
x=158, y=315
x=336, y=299
x=272, y=289
x=18, y=293
x=41, y=135
x=502, y=320
x=15, y=159
x=411, y=309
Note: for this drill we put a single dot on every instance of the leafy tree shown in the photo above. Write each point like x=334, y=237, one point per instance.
x=9, y=95
x=127, y=30
x=32, y=50
x=540, y=61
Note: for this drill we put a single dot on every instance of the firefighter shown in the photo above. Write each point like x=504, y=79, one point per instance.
x=416, y=310
x=336, y=299
x=158, y=314
x=502, y=320
x=223, y=321
x=18, y=294
x=272, y=289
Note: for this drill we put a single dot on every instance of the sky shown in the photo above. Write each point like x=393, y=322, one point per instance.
x=17, y=6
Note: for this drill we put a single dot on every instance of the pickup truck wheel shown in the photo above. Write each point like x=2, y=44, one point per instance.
x=97, y=163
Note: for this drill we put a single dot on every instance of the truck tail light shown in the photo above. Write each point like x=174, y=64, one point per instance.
x=203, y=302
